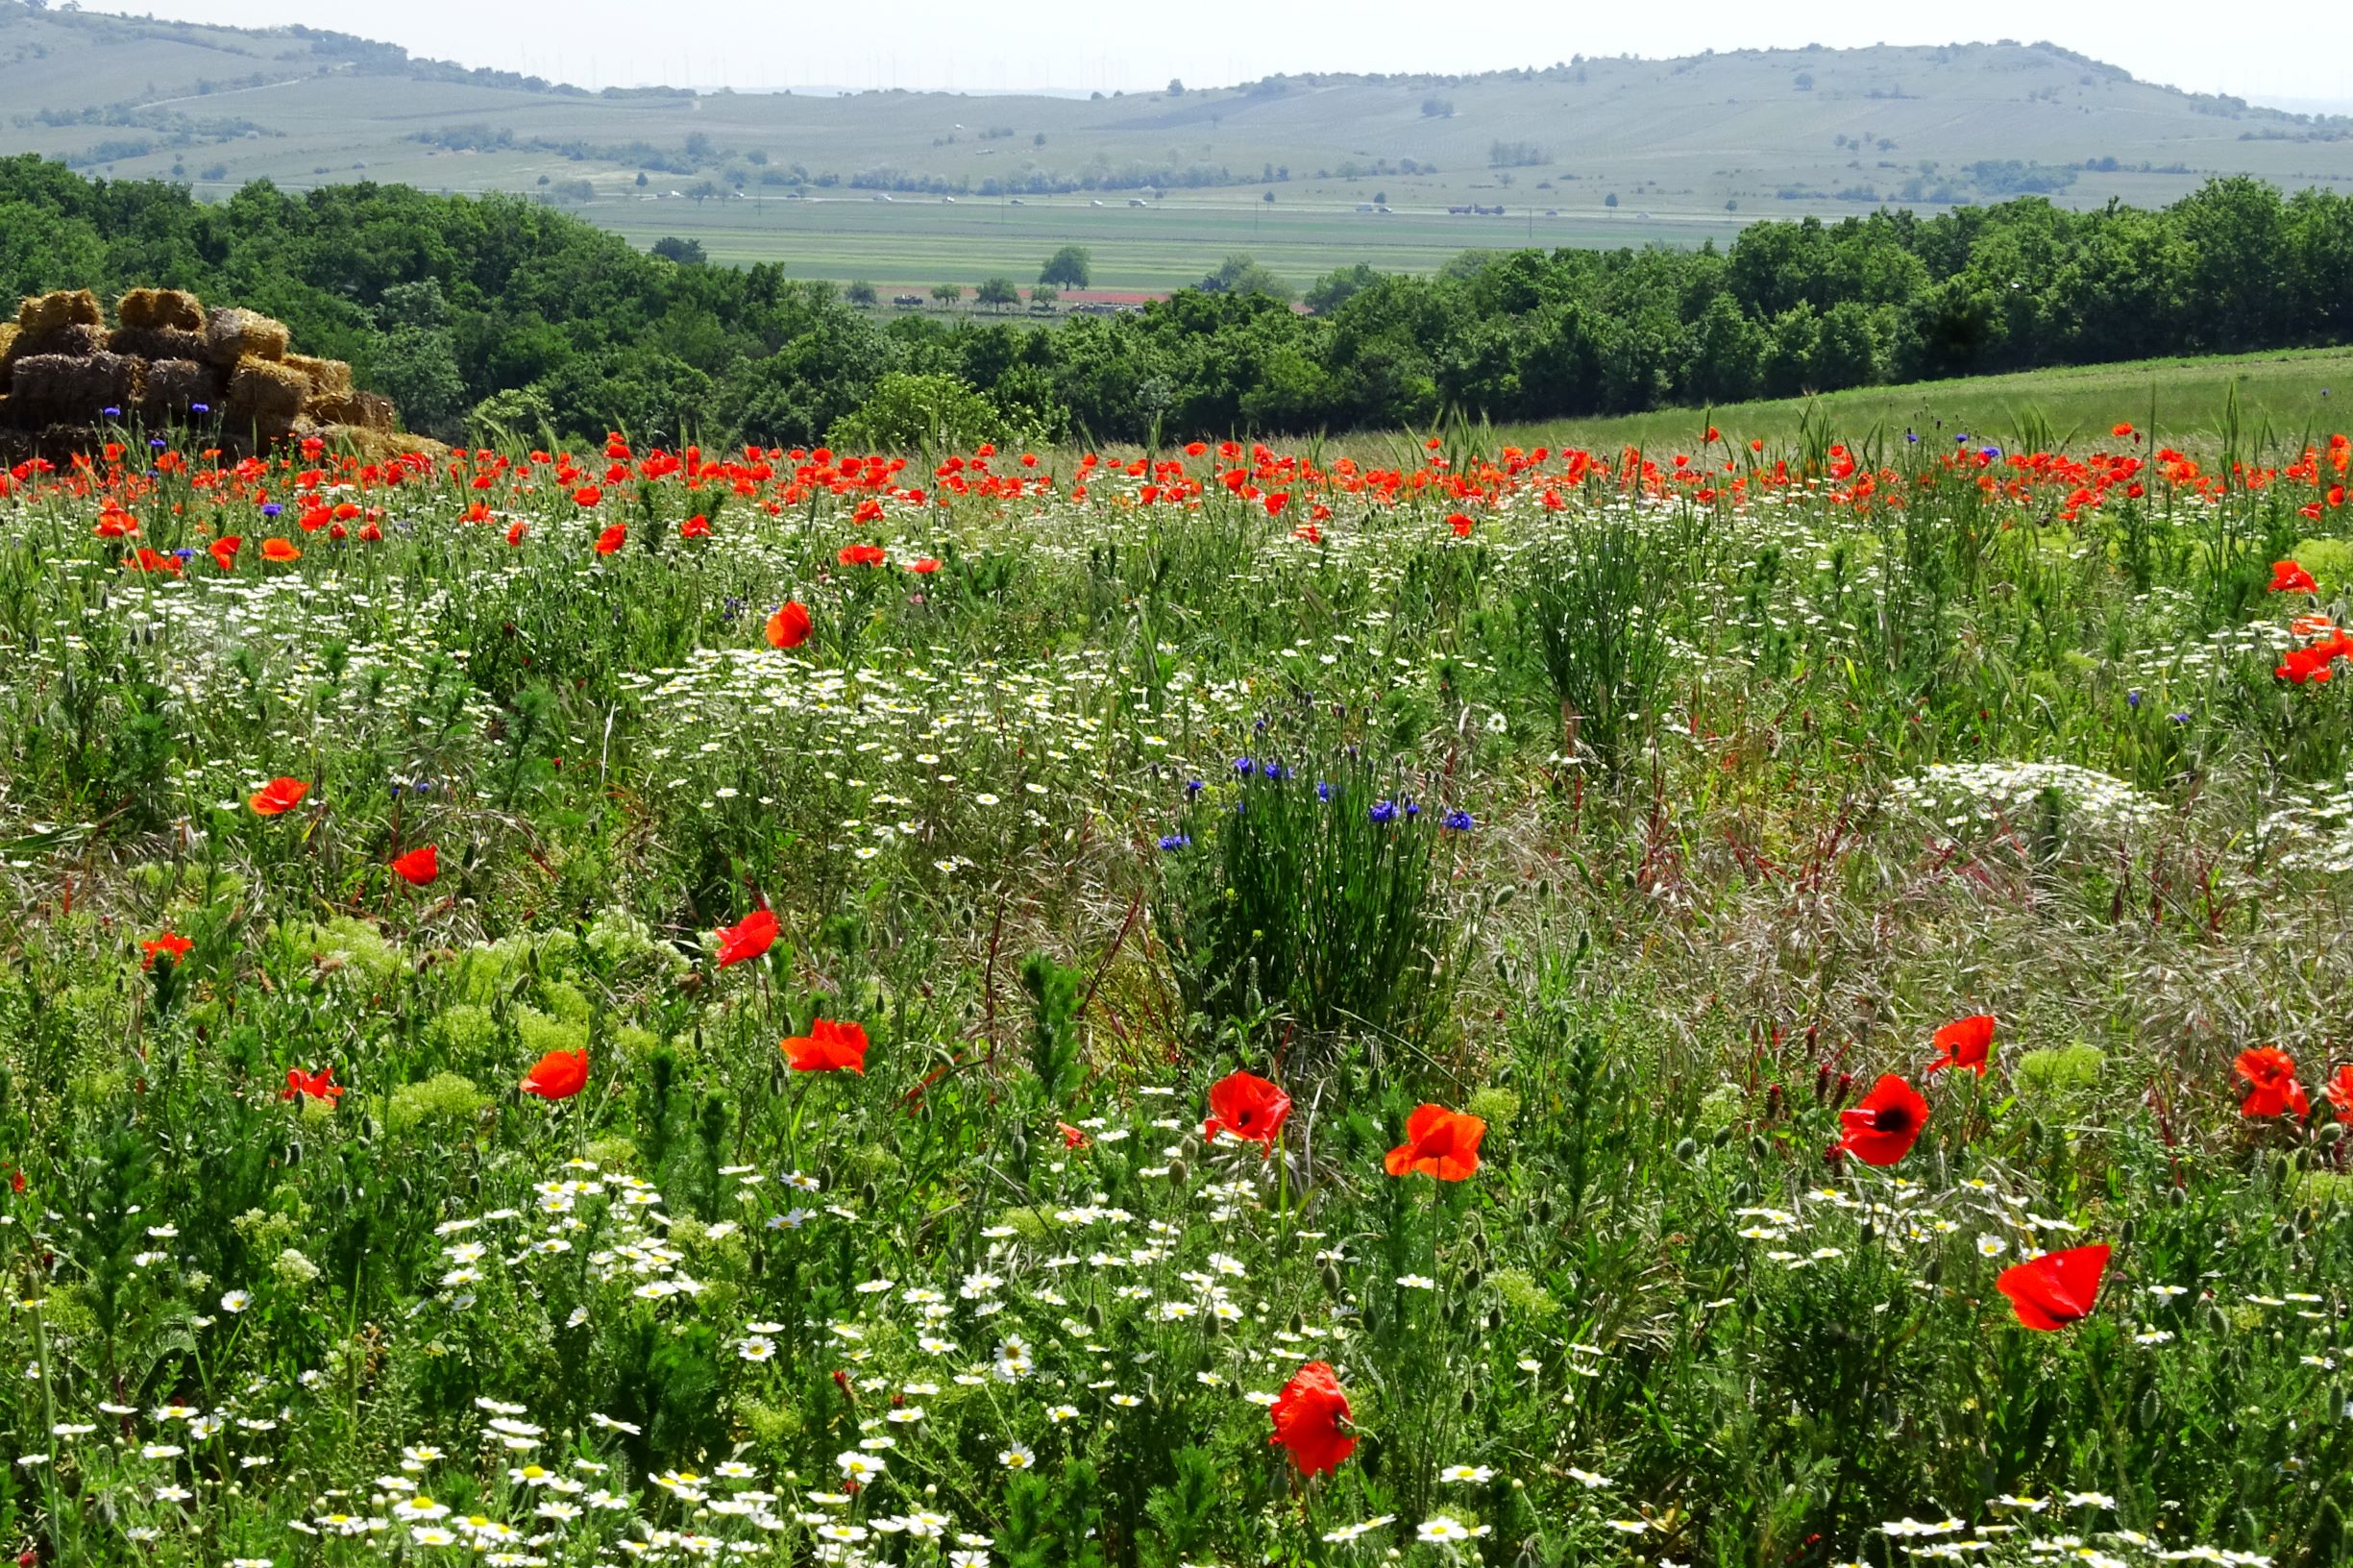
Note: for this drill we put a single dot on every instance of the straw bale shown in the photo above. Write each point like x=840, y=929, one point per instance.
x=171, y=309
x=57, y=387
x=362, y=410
x=234, y=336
x=175, y=387
x=327, y=375
x=62, y=307
x=158, y=342
x=264, y=389
x=8, y=333
x=77, y=341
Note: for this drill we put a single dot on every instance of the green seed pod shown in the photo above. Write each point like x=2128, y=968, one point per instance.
x=294, y=1151
x=1094, y=1317
x=1687, y=1151
x=1470, y=1400
x=1331, y=1279
x=2149, y=1412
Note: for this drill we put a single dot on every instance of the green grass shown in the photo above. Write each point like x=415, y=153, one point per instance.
x=2290, y=395
x=1661, y=836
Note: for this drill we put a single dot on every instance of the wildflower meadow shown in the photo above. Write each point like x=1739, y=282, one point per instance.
x=1411, y=1000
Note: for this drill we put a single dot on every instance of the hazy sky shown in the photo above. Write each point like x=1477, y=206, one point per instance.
x=2263, y=50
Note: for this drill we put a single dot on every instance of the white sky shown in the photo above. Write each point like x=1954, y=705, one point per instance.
x=2263, y=50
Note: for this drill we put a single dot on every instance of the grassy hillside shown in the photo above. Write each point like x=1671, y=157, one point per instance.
x=1601, y=151
x=2280, y=397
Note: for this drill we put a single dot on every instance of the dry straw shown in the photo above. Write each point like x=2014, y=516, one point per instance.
x=233, y=337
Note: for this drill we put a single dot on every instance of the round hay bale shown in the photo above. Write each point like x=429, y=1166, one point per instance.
x=158, y=342
x=175, y=388
x=61, y=308
x=77, y=341
x=170, y=310
x=233, y=337
x=56, y=387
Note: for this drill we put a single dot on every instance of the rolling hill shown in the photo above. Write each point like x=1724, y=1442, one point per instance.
x=904, y=187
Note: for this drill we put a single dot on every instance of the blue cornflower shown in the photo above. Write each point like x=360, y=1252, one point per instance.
x=1276, y=771
x=2132, y=698
x=1175, y=841
x=1192, y=786
x=2178, y=717
x=111, y=413
x=1989, y=453
x=1412, y=810
x=157, y=442
x=271, y=508
x=200, y=407
x=1244, y=767
x=187, y=552
x=1385, y=812
x=1456, y=821
x=1323, y=791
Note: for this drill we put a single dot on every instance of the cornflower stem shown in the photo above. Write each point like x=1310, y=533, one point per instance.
x=49, y=1413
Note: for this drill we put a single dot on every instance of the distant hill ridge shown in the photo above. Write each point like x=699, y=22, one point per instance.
x=1709, y=142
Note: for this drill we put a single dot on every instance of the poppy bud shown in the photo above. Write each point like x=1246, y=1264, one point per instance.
x=2330, y=1133
x=1472, y=1280
x=409, y=1192
x=2150, y=1412
x=1759, y=1150
x=1178, y=1173
x=2125, y=1233
x=1687, y=1151
x=294, y=1151
x=1470, y=1400
x=1867, y=1231
x=1298, y=1324
x=1495, y=1319
x=1094, y=1317
x=1544, y=1211
x=1332, y=1278
x=869, y=1194
x=1742, y=1192
x=1932, y=1271
x=2179, y=1197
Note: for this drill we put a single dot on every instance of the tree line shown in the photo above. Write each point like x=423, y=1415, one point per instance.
x=501, y=310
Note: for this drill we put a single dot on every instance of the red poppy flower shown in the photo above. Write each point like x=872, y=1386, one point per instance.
x=224, y=551
x=418, y=867
x=2057, y=1288
x=2340, y=1091
x=2120, y=429
x=2272, y=1088
x=1438, y=1142
x=748, y=937
x=1275, y=503
x=827, y=1047
x=278, y=797
x=1072, y=1138
x=2288, y=577
x=1882, y=1129
x=514, y=534
x=279, y=550
x=1460, y=524
x=166, y=943
x=1245, y=1106
x=861, y=556
x=789, y=626
x=587, y=495
x=2302, y=664
x=559, y=1075
x=696, y=527
x=610, y=541
x=1965, y=1042
x=1310, y=1416
x=924, y=565
x=319, y=1086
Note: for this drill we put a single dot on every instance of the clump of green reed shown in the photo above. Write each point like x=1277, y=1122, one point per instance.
x=1310, y=897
